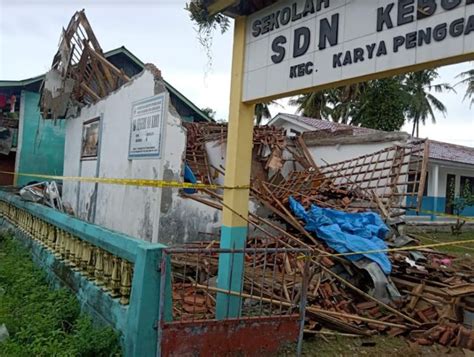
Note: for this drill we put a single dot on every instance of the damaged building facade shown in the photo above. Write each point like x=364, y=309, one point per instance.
x=141, y=128
x=336, y=198
x=121, y=124
x=100, y=143
x=450, y=168
x=33, y=144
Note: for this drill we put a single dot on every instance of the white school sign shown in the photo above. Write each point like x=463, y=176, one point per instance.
x=297, y=45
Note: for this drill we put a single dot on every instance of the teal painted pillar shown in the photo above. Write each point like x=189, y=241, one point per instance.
x=237, y=181
x=231, y=270
x=141, y=338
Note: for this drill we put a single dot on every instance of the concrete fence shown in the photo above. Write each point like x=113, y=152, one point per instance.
x=115, y=277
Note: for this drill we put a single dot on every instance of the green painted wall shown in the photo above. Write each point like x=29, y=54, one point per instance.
x=42, y=146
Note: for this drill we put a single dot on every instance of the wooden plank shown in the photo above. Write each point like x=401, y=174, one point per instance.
x=99, y=79
x=105, y=62
x=90, y=91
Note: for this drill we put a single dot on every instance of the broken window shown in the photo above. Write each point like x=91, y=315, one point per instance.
x=90, y=139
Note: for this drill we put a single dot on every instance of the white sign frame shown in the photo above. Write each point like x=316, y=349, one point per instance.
x=359, y=25
x=142, y=126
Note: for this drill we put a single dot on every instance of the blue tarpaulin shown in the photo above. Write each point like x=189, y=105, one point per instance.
x=189, y=177
x=347, y=232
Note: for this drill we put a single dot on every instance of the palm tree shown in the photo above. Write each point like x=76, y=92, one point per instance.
x=422, y=104
x=313, y=105
x=336, y=104
x=346, y=101
x=262, y=111
x=468, y=79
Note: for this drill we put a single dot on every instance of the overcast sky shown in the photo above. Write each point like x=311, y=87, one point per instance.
x=159, y=31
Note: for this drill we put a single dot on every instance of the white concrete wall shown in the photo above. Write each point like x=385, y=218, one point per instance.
x=338, y=153
x=152, y=214
x=286, y=125
x=445, y=169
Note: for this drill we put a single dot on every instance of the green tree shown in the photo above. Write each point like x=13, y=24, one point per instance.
x=382, y=105
x=464, y=200
x=376, y=104
x=468, y=79
x=209, y=112
x=423, y=104
x=313, y=105
x=262, y=111
x=345, y=102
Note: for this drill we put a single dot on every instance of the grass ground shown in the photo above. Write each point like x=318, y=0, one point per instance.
x=441, y=237
x=41, y=321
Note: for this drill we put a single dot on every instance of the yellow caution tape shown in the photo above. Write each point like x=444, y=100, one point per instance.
x=416, y=247
x=129, y=182
x=171, y=184
x=392, y=250
x=176, y=184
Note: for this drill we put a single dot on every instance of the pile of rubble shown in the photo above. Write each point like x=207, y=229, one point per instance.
x=426, y=297
x=342, y=297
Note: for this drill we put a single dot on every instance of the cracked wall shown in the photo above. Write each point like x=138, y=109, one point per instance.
x=152, y=214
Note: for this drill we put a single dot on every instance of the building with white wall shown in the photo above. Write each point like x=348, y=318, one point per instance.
x=135, y=132
x=450, y=166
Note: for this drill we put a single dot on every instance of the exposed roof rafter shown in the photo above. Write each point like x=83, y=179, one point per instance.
x=80, y=74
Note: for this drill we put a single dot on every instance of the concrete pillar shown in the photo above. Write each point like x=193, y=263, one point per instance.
x=237, y=179
x=435, y=188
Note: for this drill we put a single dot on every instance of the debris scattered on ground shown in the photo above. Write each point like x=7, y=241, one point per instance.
x=45, y=192
x=426, y=296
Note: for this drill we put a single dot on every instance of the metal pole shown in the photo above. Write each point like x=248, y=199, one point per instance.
x=161, y=312
x=304, y=293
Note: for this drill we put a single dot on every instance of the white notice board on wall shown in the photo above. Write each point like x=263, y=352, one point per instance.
x=146, y=131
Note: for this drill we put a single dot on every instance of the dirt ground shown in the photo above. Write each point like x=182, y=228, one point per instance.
x=378, y=346
x=374, y=347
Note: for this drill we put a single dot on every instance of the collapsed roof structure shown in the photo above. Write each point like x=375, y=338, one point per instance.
x=80, y=74
x=348, y=295
x=388, y=181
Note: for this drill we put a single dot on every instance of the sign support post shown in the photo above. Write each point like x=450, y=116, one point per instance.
x=299, y=46
x=238, y=165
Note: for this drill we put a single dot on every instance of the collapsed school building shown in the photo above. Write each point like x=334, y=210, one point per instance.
x=326, y=240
